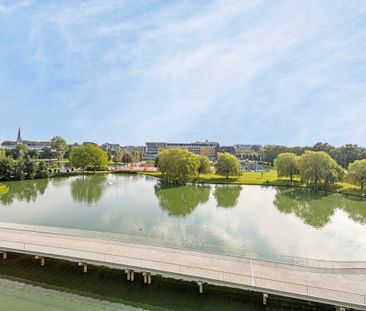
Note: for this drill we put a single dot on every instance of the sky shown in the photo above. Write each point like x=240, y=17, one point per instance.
x=232, y=71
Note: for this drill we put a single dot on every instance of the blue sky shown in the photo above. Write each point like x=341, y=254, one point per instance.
x=269, y=72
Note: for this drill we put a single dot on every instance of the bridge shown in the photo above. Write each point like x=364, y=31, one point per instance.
x=342, y=284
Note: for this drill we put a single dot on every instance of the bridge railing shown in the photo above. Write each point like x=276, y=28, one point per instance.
x=157, y=241
x=223, y=277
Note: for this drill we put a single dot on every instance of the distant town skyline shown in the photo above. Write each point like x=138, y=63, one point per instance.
x=281, y=72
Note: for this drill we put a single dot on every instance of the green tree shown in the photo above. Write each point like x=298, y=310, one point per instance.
x=318, y=168
x=59, y=145
x=286, y=165
x=41, y=170
x=88, y=156
x=20, y=151
x=357, y=172
x=2, y=153
x=204, y=166
x=178, y=166
x=29, y=168
x=6, y=168
x=19, y=172
x=227, y=165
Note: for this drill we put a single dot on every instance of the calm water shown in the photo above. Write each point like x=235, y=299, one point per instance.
x=247, y=220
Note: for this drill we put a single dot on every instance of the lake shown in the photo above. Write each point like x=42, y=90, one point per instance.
x=261, y=222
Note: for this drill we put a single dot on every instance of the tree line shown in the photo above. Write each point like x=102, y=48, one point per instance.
x=318, y=169
x=344, y=155
x=179, y=166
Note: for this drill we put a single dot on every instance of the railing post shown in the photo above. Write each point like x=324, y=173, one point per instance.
x=42, y=260
x=5, y=255
x=200, y=286
x=85, y=266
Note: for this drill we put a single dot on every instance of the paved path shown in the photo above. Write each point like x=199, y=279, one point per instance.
x=338, y=286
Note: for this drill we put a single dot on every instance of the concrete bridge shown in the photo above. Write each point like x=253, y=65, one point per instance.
x=342, y=284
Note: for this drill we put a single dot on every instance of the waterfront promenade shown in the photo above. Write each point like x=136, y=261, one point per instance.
x=342, y=284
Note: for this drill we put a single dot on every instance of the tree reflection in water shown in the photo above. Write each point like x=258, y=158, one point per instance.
x=24, y=190
x=88, y=189
x=180, y=201
x=317, y=209
x=227, y=195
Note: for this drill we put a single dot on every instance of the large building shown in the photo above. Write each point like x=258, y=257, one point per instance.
x=31, y=145
x=209, y=149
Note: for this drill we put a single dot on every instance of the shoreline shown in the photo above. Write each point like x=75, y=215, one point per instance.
x=209, y=179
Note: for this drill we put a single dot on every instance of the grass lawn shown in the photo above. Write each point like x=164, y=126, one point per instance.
x=247, y=178
x=266, y=178
x=3, y=189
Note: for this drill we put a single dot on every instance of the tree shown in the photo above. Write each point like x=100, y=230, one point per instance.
x=2, y=153
x=204, y=166
x=6, y=168
x=227, y=165
x=286, y=165
x=59, y=145
x=19, y=173
x=20, y=151
x=357, y=172
x=178, y=166
x=88, y=156
x=29, y=168
x=318, y=168
x=41, y=170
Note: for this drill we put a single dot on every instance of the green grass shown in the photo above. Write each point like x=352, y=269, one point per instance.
x=3, y=189
x=266, y=178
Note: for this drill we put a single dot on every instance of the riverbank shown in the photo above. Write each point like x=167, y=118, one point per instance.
x=269, y=178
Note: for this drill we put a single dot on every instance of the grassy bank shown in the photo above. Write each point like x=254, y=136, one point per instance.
x=269, y=178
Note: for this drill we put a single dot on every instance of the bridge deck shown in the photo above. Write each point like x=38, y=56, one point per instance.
x=338, y=286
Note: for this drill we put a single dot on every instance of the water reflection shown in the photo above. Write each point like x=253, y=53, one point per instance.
x=24, y=190
x=227, y=196
x=180, y=201
x=88, y=189
x=317, y=209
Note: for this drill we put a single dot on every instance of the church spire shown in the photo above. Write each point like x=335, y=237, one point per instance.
x=19, y=138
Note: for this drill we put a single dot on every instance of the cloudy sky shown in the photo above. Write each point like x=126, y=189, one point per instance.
x=233, y=71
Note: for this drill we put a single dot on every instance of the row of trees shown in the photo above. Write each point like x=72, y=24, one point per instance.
x=179, y=166
x=318, y=169
x=24, y=168
x=344, y=155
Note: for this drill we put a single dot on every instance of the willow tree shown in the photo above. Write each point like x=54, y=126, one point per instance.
x=227, y=165
x=286, y=165
x=88, y=156
x=318, y=169
x=178, y=166
x=357, y=172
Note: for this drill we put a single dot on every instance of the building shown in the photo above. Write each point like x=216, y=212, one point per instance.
x=209, y=149
x=111, y=147
x=228, y=149
x=31, y=145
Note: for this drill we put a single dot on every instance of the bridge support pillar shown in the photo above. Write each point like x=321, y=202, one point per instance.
x=41, y=259
x=130, y=275
x=5, y=255
x=265, y=298
x=85, y=266
x=147, y=277
x=200, y=286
